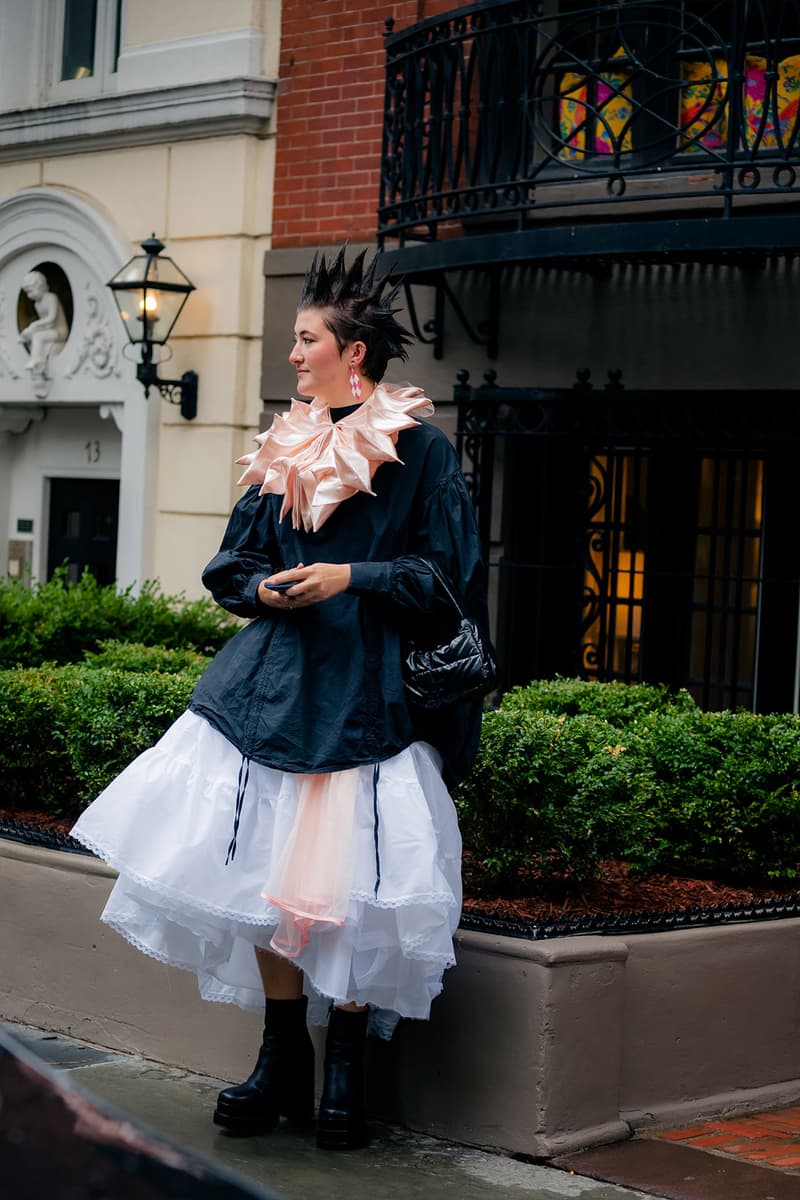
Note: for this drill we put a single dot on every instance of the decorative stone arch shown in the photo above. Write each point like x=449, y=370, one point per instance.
x=61, y=225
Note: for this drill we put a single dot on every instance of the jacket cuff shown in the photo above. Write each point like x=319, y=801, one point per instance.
x=370, y=577
x=250, y=591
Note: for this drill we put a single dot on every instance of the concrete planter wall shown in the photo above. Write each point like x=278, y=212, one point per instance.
x=534, y=1047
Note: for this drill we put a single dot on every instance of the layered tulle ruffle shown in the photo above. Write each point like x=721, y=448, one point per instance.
x=165, y=825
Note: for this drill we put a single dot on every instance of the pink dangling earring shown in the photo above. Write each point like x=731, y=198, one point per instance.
x=355, y=385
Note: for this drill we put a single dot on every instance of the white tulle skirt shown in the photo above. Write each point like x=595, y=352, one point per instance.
x=390, y=866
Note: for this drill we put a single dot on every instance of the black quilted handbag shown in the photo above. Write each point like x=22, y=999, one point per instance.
x=451, y=672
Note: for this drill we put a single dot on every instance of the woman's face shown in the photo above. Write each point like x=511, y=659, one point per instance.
x=321, y=369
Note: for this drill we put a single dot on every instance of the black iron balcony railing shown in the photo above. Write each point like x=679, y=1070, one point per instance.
x=509, y=112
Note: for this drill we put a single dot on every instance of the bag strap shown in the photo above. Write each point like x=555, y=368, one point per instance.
x=438, y=575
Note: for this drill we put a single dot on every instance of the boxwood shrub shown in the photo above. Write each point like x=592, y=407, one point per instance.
x=569, y=773
x=723, y=793
x=35, y=767
x=89, y=677
x=65, y=732
x=617, y=703
x=58, y=621
x=133, y=656
x=548, y=794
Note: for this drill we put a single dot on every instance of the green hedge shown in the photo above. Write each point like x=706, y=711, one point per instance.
x=58, y=621
x=133, y=656
x=89, y=677
x=617, y=703
x=569, y=773
x=722, y=791
x=65, y=732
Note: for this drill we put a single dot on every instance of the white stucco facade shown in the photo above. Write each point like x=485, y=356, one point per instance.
x=172, y=136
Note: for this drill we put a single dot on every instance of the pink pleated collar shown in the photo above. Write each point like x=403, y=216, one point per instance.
x=315, y=462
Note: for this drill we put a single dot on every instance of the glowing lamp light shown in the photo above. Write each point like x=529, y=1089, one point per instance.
x=150, y=292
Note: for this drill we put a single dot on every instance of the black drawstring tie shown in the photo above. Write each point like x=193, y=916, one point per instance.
x=376, y=774
x=241, y=788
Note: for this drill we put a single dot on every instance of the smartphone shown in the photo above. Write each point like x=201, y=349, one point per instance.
x=278, y=587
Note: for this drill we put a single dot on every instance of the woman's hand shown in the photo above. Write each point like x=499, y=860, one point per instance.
x=310, y=585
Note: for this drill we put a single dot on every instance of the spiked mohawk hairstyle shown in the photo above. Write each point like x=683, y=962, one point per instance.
x=357, y=310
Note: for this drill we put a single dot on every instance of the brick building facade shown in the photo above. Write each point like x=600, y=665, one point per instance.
x=330, y=108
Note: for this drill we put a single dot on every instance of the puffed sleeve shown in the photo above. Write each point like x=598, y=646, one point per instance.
x=247, y=555
x=444, y=531
x=447, y=532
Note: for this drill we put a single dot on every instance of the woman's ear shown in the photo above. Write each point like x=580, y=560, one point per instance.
x=357, y=354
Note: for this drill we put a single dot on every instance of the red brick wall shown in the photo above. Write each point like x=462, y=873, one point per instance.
x=329, y=116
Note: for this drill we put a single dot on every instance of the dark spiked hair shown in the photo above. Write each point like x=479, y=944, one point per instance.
x=358, y=309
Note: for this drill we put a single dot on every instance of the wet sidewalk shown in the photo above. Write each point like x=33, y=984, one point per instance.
x=286, y=1164
x=754, y=1157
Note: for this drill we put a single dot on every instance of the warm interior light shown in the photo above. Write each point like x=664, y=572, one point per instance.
x=614, y=579
x=149, y=309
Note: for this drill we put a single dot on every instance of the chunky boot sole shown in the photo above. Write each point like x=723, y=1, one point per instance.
x=246, y=1120
x=241, y=1126
x=339, y=1133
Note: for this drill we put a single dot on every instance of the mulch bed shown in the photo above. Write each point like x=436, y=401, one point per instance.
x=39, y=819
x=615, y=891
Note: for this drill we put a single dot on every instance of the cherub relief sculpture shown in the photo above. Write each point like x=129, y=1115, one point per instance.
x=46, y=335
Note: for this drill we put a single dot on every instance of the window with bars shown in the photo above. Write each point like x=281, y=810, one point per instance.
x=640, y=535
x=725, y=579
x=615, y=565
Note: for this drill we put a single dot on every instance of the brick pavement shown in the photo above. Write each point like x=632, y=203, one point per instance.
x=753, y=1157
x=769, y=1138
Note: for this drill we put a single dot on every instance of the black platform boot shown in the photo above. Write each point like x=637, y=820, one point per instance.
x=341, y=1123
x=282, y=1082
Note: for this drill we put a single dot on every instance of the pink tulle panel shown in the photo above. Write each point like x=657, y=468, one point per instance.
x=313, y=877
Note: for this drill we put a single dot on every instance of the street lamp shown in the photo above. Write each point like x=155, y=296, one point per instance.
x=150, y=292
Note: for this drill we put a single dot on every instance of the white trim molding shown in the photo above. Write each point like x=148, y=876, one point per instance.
x=221, y=54
x=112, y=122
x=54, y=224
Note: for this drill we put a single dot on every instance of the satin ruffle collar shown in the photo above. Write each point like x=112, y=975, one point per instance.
x=315, y=462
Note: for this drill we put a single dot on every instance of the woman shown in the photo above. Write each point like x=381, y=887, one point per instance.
x=300, y=803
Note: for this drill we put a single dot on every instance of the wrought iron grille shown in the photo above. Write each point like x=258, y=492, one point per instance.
x=725, y=594
x=615, y=558
x=640, y=535
x=508, y=109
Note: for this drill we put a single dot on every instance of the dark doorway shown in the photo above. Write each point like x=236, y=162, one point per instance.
x=84, y=515
x=641, y=535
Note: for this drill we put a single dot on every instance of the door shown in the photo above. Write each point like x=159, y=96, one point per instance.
x=84, y=516
x=644, y=536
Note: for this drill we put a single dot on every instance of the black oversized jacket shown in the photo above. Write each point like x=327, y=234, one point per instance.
x=319, y=688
